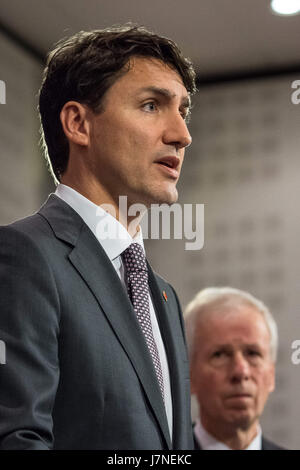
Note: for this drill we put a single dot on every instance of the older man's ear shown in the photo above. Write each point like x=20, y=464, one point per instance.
x=193, y=379
x=272, y=378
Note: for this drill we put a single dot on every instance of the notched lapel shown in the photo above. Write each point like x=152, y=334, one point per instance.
x=96, y=269
x=92, y=263
x=171, y=331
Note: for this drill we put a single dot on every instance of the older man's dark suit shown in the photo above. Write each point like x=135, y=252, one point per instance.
x=78, y=374
x=265, y=444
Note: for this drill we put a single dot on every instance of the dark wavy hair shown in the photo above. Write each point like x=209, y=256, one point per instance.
x=84, y=66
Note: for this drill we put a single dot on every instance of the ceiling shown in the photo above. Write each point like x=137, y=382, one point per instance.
x=222, y=37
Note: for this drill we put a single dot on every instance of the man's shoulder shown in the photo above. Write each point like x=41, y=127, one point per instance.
x=29, y=223
x=53, y=215
x=30, y=236
x=269, y=445
x=27, y=228
x=266, y=443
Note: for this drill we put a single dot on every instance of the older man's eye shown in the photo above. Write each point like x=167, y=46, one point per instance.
x=218, y=354
x=253, y=353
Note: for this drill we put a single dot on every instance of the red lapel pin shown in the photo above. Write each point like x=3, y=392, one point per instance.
x=165, y=295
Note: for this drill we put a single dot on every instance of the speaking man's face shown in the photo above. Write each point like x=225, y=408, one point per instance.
x=232, y=372
x=138, y=140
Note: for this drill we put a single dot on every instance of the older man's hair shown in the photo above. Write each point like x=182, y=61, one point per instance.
x=217, y=298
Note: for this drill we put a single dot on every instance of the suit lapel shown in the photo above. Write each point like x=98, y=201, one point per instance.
x=92, y=263
x=171, y=332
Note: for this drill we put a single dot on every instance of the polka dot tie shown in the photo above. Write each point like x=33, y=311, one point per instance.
x=137, y=286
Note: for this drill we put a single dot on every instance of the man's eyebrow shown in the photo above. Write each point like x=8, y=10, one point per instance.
x=185, y=102
x=229, y=345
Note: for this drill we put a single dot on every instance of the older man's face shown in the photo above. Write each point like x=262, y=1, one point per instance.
x=232, y=373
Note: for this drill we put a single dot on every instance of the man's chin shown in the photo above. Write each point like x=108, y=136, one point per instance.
x=166, y=197
x=241, y=420
x=156, y=196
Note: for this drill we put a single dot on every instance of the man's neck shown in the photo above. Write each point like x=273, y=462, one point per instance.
x=110, y=204
x=236, y=438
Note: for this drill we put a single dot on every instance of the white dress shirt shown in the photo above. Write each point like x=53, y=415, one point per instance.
x=209, y=442
x=102, y=225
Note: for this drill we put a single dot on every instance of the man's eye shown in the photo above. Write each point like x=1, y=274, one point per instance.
x=150, y=106
x=252, y=352
x=186, y=116
x=218, y=354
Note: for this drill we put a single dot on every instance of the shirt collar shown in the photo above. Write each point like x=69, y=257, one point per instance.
x=209, y=442
x=112, y=235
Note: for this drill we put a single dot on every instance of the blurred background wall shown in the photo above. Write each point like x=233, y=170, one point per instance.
x=24, y=180
x=244, y=163
x=244, y=166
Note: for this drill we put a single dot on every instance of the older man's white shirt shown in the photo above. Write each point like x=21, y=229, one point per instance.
x=209, y=442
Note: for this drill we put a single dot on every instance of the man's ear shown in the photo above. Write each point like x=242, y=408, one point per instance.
x=193, y=378
x=73, y=117
x=272, y=379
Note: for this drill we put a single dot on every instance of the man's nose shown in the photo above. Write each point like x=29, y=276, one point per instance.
x=240, y=369
x=176, y=132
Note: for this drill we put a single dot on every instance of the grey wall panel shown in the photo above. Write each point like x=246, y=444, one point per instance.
x=244, y=166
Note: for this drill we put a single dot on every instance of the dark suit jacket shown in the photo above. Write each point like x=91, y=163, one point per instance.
x=266, y=445
x=78, y=374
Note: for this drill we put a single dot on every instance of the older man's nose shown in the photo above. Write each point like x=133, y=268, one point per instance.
x=240, y=369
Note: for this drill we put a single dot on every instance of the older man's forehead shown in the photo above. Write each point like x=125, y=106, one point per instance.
x=238, y=343
x=247, y=320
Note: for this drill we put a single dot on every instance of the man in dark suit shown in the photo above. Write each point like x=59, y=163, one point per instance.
x=95, y=348
x=232, y=342
x=265, y=445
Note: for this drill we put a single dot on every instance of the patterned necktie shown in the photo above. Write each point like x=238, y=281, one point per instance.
x=137, y=286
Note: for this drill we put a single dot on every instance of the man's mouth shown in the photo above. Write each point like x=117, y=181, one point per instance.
x=170, y=165
x=239, y=395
